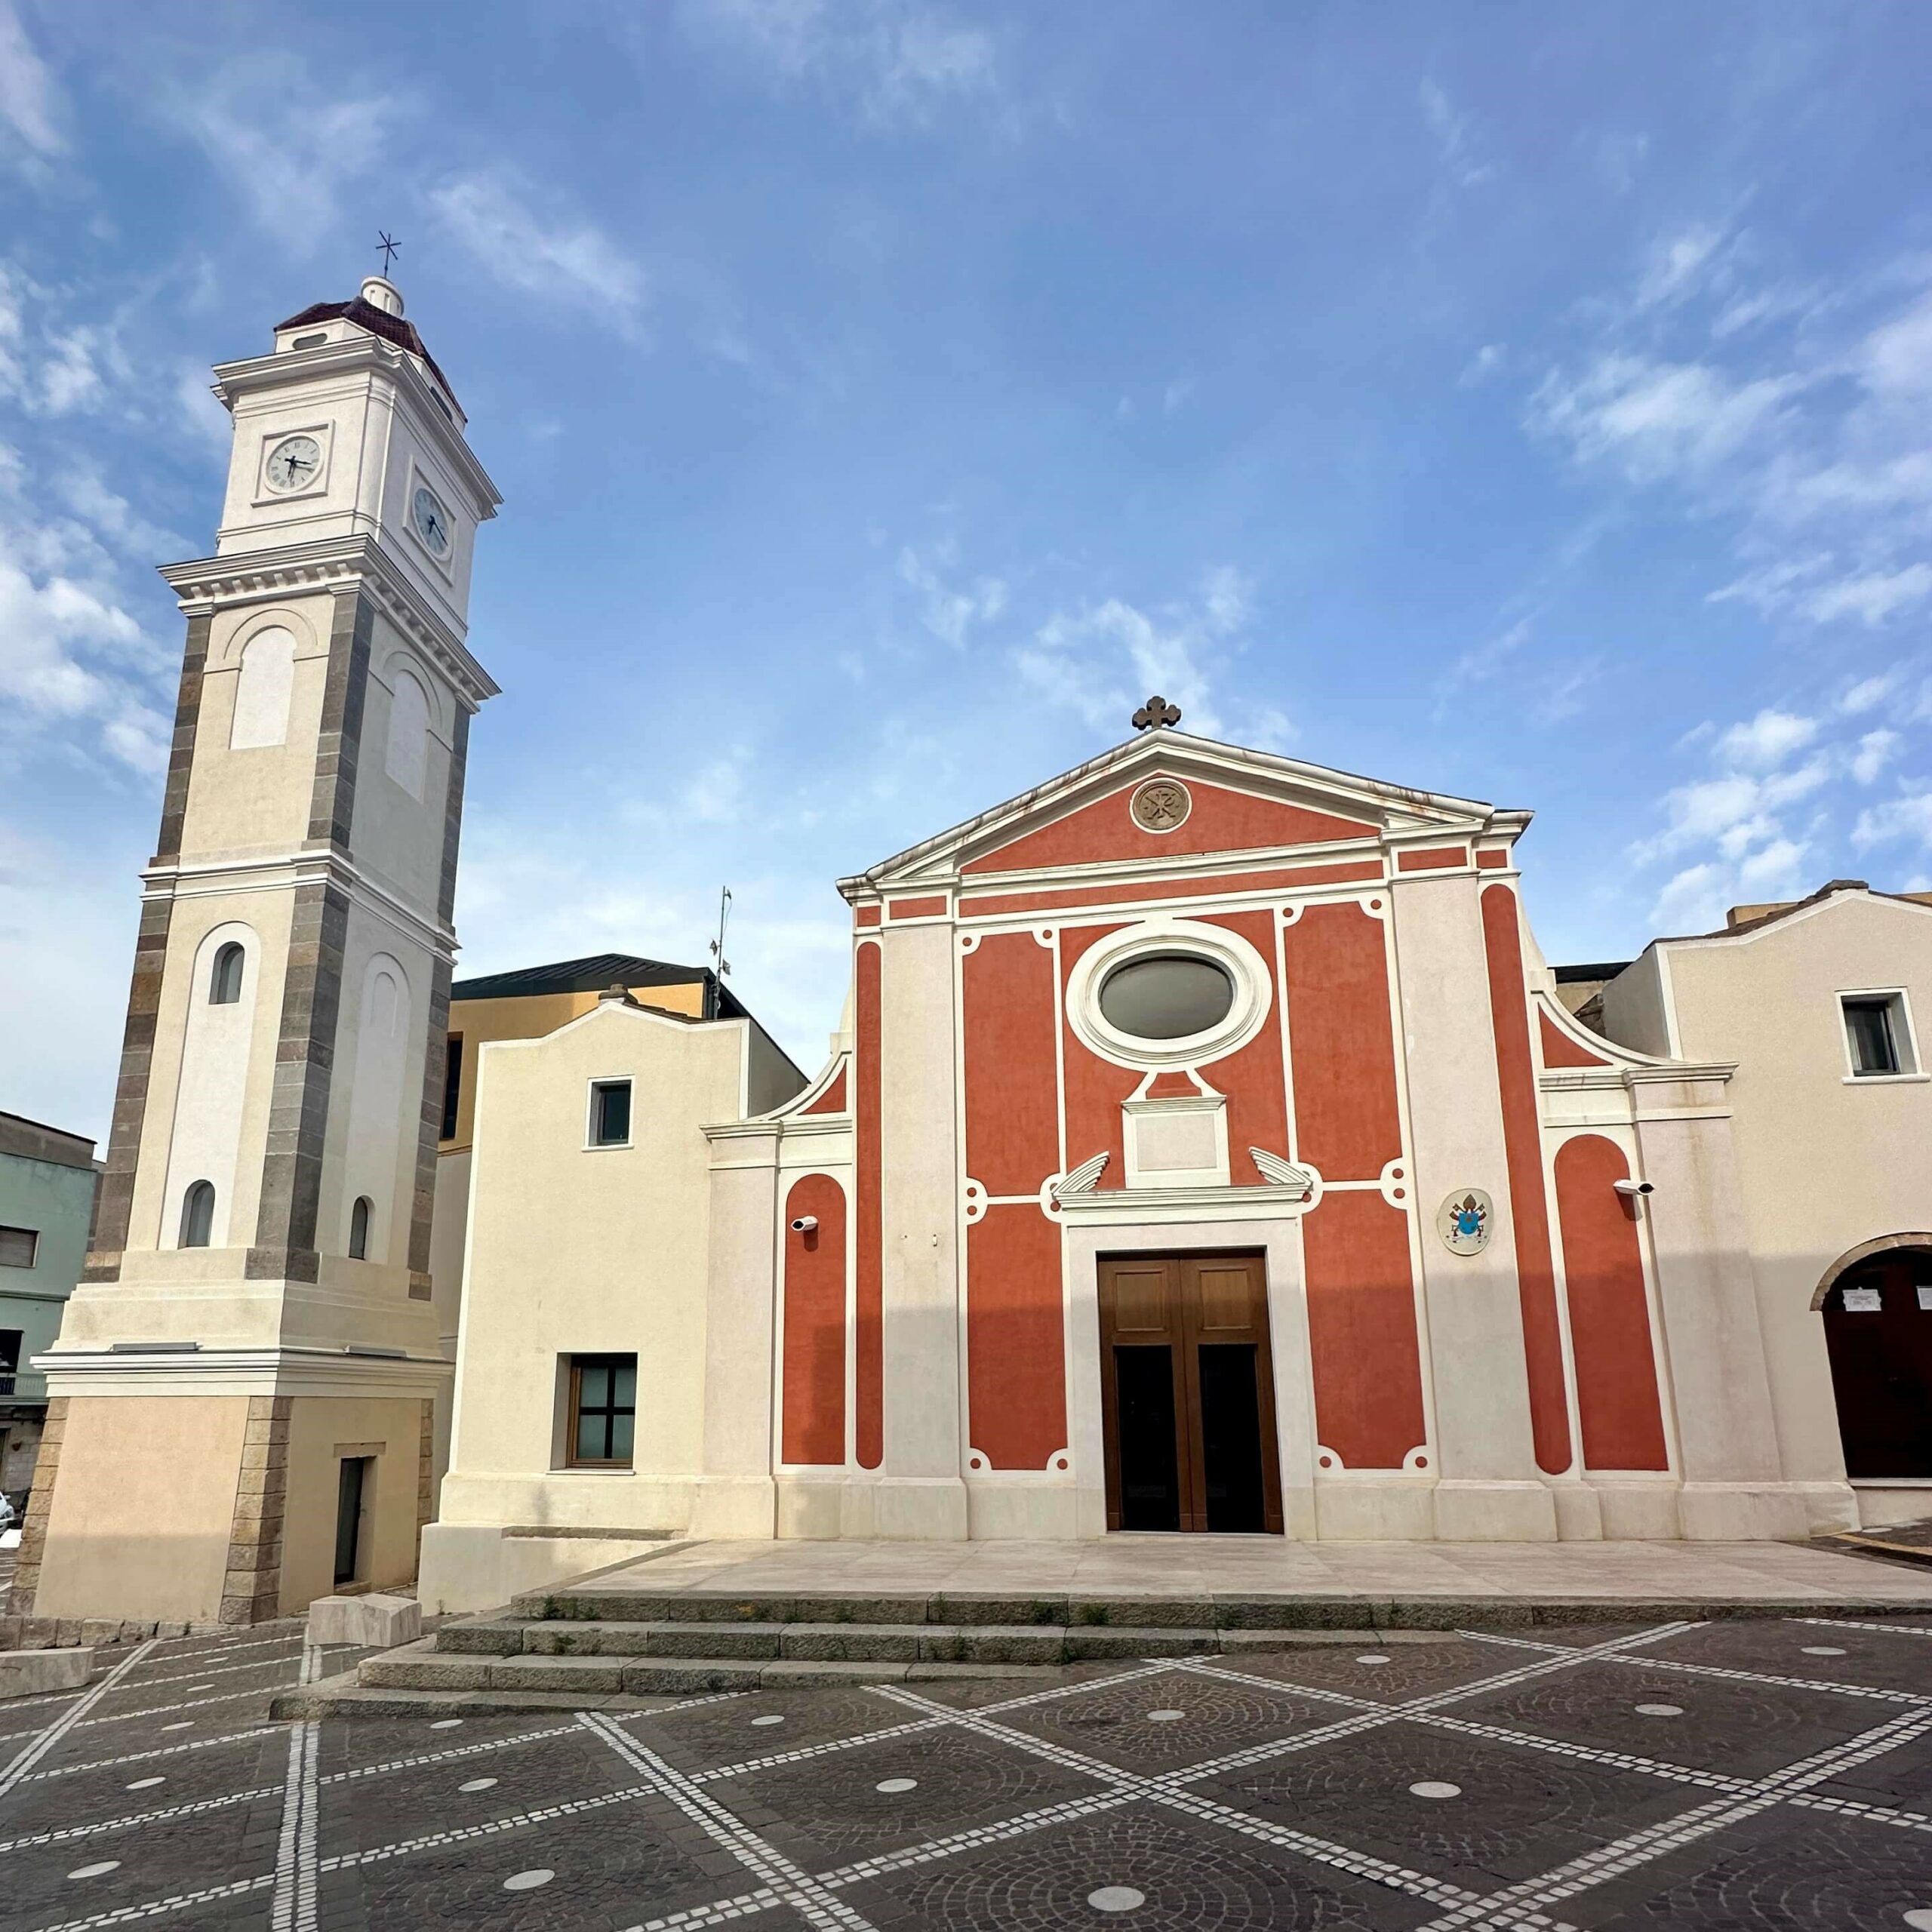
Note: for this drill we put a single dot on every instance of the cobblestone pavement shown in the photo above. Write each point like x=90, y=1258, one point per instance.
x=1741, y=1774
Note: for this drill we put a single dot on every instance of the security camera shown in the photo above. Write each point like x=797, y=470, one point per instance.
x=1633, y=1188
x=805, y=1224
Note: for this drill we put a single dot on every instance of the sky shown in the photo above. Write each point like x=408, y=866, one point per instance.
x=1530, y=404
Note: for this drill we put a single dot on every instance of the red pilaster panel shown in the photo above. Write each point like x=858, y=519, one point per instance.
x=1522, y=1143
x=1016, y=1380
x=1095, y=1088
x=1348, y=1123
x=1251, y=1078
x=814, y=1365
x=870, y=1339
x=1361, y=1330
x=1617, y=1407
x=1012, y=1092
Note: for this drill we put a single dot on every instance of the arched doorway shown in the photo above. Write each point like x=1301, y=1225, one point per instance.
x=1877, y=1304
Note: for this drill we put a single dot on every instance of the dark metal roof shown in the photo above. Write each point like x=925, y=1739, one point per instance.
x=592, y=975
x=1608, y=969
x=377, y=321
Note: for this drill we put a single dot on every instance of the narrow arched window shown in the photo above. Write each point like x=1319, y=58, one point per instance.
x=406, y=757
x=358, y=1229
x=198, y=1215
x=225, y=981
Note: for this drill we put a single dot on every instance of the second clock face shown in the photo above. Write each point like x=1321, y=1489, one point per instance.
x=432, y=520
x=294, y=462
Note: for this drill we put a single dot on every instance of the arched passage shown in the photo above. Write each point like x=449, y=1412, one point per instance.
x=1877, y=1304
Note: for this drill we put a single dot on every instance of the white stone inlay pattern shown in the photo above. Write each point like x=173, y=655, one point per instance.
x=1116, y=1898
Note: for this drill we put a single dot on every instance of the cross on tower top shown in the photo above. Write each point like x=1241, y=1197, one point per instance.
x=388, y=248
x=1156, y=711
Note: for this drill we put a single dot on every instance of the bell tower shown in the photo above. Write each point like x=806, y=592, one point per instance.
x=240, y=1398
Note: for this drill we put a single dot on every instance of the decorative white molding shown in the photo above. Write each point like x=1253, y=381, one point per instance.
x=1126, y=1206
x=1278, y=1173
x=191, y=1371
x=205, y=584
x=1080, y=1180
x=283, y=871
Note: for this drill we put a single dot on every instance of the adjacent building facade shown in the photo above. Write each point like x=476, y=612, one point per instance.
x=47, y=1189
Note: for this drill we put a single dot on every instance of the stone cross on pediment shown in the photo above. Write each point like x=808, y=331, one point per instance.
x=1156, y=711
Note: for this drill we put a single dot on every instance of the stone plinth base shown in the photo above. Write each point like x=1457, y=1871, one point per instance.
x=30, y=1673
x=371, y=1623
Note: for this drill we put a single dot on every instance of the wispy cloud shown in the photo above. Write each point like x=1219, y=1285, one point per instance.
x=1811, y=443
x=894, y=62
x=31, y=106
x=560, y=257
x=951, y=610
x=1101, y=661
x=242, y=115
x=1456, y=137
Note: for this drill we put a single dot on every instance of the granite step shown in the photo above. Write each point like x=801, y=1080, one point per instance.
x=593, y=1652
x=574, y=1682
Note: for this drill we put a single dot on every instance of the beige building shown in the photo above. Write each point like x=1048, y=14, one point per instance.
x=1819, y=1003
x=529, y=1004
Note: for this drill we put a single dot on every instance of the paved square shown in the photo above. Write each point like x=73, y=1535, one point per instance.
x=1774, y=1774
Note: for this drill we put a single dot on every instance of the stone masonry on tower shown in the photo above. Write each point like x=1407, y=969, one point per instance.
x=241, y=1399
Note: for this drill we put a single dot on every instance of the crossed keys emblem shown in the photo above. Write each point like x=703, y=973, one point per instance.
x=1156, y=710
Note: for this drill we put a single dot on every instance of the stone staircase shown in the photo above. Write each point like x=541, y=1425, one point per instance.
x=606, y=1648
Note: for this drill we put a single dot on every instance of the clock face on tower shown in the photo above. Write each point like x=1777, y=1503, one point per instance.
x=432, y=520
x=294, y=462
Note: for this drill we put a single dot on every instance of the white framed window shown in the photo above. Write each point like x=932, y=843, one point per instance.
x=610, y=1124
x=1879, y=1040
x=1168, y=992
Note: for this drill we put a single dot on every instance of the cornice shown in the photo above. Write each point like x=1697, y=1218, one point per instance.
x=278, y=872
x=204, y=584
x=193, y=1370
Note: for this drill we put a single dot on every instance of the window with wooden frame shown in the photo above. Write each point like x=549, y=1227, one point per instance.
x=603, y=1418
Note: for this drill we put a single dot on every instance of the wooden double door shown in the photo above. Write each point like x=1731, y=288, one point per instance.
x=1188, y=1394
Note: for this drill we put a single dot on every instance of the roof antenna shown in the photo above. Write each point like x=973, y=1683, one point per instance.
x=718, y=944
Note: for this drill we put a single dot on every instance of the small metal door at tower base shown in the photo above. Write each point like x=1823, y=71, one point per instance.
x=1187, y=1394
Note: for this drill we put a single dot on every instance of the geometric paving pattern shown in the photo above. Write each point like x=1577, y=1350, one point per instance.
x=1774, y=1773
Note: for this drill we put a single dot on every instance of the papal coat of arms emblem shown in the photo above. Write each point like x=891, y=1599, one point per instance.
x=1161, y=805
x=1463, y=1221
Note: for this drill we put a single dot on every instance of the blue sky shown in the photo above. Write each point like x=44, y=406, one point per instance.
x=1524, y=402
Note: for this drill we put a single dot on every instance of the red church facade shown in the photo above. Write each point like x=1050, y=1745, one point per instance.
x=1206, y=1149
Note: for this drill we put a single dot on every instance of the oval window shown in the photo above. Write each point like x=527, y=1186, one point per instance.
x=1166, y=996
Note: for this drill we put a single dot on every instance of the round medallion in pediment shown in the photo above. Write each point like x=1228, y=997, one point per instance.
x=1161, y=805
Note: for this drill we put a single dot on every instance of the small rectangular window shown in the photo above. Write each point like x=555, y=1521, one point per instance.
x=603, y=1410
x=452, y=1085
x=1876, y=1033
x=18, y=1246
x=610, y=1113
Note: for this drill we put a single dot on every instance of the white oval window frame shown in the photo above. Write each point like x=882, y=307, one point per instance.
x=1253, y=991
